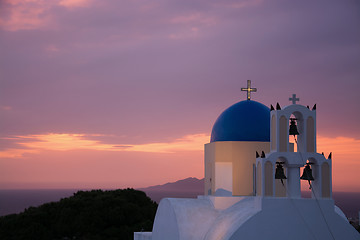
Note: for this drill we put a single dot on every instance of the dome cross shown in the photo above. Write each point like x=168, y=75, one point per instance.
x=249, y=89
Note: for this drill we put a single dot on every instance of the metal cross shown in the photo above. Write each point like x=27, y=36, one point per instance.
x=248, y=89
x=294, y=99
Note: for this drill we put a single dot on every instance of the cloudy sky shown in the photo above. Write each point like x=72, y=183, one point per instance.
x=124, y=93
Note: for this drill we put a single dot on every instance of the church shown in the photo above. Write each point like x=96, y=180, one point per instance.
x=253, y=167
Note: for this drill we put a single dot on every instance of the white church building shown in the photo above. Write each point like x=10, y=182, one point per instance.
x=252, y=182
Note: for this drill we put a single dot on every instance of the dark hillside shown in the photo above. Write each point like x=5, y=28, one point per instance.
x=89, y=215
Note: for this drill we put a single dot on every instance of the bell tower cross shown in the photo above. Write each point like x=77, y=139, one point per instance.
x=294, y=99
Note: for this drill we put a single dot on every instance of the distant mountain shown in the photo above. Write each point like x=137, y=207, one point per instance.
x=185, y=185
x=185, y=188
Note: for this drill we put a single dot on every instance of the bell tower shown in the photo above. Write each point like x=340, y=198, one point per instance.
x=278, y=172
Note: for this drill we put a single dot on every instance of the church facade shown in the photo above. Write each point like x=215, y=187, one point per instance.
x=252, y=181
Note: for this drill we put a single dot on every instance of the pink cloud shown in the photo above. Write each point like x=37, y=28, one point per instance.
x=5, y=108
x=190, y=25
x=185, y=34
x=33, y=14
x=195, y=18
x=52, y=49
x=25, y=15
x=74, y=3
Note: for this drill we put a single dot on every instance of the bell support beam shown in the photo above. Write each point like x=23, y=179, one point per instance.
x=293, y=183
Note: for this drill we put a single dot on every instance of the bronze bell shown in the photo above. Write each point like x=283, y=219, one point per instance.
x=279, y=172
x=293, y=129
x=307, y=174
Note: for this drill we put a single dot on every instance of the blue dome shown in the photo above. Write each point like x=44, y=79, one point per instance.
x=244, y=121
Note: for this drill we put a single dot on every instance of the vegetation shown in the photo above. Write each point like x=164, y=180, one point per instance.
x=86, y=215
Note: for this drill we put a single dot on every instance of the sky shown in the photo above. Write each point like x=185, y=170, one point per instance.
x=114, y=94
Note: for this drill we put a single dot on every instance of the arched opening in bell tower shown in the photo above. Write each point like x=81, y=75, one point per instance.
x=310, y=135
x=283, y=134
x=268, y=178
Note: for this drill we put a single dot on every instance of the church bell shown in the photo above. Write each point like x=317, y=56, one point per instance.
x=293, y=129
x=307, y=173
x=279, y=172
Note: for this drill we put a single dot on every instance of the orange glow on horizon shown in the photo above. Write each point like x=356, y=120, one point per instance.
x=64, y=147
x=341, y=146
x=67, y=142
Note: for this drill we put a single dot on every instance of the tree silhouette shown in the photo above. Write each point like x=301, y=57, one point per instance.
x=86, y=215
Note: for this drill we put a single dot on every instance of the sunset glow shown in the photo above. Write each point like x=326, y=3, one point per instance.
x=125, y=93
x=67, y=142
x=344, y=150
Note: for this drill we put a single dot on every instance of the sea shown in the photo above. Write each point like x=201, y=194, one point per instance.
x=16, y=201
